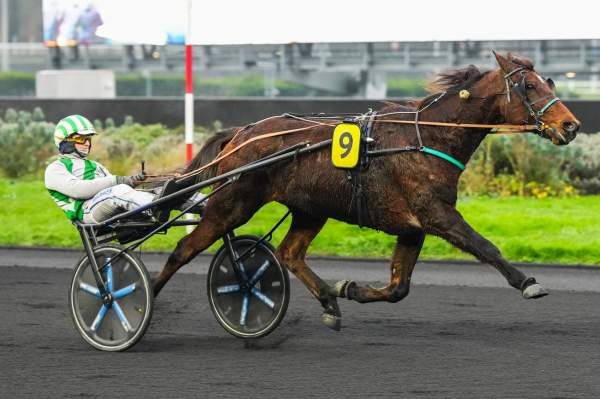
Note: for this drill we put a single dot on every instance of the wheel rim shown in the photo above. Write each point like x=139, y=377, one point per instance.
x=118, y=325
x=254, y=312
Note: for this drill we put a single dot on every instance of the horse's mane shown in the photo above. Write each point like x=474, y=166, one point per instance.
x=451, y=80
x=455, y=79
x=462, y=78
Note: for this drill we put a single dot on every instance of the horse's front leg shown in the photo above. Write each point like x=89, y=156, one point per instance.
x=408, y=247
x=446, y=222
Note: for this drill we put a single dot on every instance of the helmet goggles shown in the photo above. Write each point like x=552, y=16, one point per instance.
x=79, y=139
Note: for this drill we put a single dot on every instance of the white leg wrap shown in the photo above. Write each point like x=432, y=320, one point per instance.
x=339, y=288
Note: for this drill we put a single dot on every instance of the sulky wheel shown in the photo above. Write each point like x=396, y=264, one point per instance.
x=116, y=324
x=255, y=306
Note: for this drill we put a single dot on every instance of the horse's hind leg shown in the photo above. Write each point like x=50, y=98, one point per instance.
x=292, y=252
x=225, y=211
x=408, y=247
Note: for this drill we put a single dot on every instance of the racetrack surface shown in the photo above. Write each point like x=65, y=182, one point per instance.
x=442, y=341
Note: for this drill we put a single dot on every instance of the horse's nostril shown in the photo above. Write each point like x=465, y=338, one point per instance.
x=570, y=126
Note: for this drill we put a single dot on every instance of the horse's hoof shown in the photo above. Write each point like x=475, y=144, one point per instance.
x=340, y=289
x=332, y=321
x=534, y=291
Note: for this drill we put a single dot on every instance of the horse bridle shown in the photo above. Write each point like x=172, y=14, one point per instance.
x=520, y=87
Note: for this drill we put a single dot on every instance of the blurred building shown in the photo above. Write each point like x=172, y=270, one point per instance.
x=360, y=70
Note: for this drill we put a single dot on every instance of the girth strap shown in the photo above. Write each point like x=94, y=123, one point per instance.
x=359, y=197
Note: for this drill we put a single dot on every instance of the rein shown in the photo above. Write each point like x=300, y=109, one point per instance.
x=508, y=128
x=501, y=129
x=245, y=143
x=519, y=88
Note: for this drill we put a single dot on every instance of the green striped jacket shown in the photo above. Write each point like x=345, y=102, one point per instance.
x=71, y=180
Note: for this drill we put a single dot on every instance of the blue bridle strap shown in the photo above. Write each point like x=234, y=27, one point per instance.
x=550, y=103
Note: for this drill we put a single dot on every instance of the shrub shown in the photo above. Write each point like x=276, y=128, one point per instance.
x=122, y=148
x=585, y=171
x=25, y=143
x=519, y=165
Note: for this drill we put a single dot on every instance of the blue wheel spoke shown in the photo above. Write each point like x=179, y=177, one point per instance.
x=121, y=316
x=228, y=289
x=263, y=298
x=124, y=291
x=99, y=318
x=243, y=271
x=244, y=313
x=89, y=289
x=109, y=276
x=259, y=273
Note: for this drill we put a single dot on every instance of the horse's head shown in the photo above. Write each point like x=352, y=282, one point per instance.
x=529, y=98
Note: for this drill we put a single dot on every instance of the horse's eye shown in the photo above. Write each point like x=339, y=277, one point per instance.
x=529, y=86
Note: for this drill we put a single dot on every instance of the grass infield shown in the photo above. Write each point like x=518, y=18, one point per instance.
x=550, y=230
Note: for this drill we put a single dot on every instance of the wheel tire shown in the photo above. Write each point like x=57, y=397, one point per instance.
x=261, y=319
x=109, y=334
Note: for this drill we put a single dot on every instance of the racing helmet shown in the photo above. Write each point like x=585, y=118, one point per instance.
x=68, y=126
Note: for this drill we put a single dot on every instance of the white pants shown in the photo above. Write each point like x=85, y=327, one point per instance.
x=112, y=201
x=118, y=199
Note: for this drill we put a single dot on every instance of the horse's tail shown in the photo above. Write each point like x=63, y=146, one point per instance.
x=209, y=151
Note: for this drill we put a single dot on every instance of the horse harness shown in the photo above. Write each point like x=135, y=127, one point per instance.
x=359, y=199
x=365, y=122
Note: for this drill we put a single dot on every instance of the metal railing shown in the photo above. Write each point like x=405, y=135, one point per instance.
x=583, y=56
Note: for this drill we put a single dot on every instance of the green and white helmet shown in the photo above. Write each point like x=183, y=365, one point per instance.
x=72, y=124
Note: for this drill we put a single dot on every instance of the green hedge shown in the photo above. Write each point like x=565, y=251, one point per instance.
x=17, y=84
x=406, y=88
x=23, y=84
x=170, y=85
x=174, y=85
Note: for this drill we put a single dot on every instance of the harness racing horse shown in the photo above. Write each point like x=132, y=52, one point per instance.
x=409, y=194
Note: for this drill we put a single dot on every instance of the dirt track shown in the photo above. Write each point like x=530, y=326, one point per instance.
x=440, y=342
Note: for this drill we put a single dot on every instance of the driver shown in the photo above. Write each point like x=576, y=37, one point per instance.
x=85, y=189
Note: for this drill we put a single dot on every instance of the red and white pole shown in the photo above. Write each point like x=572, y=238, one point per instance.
x=189, y=96
x=189, y=88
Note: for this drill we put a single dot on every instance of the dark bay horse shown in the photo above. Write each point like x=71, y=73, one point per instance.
x=409, y=195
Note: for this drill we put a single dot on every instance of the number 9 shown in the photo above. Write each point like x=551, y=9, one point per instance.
x=346, y=142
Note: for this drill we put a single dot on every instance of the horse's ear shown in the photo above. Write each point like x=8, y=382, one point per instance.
x=503, y=62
